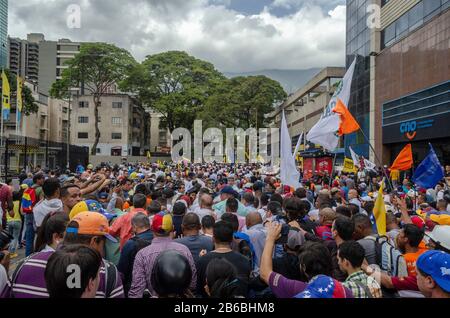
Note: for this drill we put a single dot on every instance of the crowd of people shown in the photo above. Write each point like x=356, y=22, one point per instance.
x=215, y=230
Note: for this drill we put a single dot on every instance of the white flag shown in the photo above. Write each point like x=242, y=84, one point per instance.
x=297, y=147
x=325, y=132
x=355, y=158
x=368, y=165
x=289, y=174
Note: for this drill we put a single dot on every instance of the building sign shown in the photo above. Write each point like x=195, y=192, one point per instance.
x=416, y=130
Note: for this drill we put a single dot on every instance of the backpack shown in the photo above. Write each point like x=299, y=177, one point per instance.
x=388, y=257
x=110, y=277
x=140, y=244
x=28, y=200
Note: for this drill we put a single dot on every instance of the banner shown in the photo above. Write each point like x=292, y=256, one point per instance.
x=349, y=167
x=6, y=97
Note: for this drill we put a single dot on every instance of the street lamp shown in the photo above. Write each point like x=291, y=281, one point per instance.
x=71, y=90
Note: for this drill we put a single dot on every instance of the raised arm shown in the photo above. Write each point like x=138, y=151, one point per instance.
x=266, y=268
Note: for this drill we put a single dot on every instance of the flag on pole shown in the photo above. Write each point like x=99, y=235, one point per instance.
x=289, y=174
x=369, y=165
x=19, y=99
x=404, y=160
x=379, y=212
x=297, y=147
x=6, y=96
x=336, y=119
x=355, y=157
x=429, y=172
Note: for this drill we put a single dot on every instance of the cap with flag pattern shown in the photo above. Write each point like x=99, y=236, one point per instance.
x=323, y=287
x=162, y=223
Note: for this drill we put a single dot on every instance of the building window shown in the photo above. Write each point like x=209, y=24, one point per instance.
x=99, y=151
x=117, y=105
x=83, y=120
x=83, y=104
x=83, y=135
x=116, y=120
x=116, y=136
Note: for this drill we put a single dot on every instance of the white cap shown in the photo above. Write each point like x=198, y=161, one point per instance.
x=441, y=235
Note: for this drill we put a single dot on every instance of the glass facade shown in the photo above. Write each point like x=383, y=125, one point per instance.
x=411, y=20
x=432, y=101
x=3, y=32
x=358, y=44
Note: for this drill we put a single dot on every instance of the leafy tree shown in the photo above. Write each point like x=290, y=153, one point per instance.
x=243, y=102
x=174, y=84
x=97, y=67
x=29, y=105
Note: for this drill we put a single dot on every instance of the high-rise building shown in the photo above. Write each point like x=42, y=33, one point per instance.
x=412, y=79
x=24, y=59
x=3, y=32
x=39, y=61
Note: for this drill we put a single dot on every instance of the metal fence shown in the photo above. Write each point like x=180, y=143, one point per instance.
x=18, y=153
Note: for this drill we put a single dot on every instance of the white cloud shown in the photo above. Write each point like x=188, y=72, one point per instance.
x=232, y=41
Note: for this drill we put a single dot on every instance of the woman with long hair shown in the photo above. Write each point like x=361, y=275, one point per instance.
x=51, y=232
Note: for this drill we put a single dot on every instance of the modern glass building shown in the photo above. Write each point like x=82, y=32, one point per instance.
x=412, y=91
x=3, y=33
x=358, y=44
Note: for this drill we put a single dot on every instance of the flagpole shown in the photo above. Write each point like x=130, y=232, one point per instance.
x=332, y=171
x=376, y=157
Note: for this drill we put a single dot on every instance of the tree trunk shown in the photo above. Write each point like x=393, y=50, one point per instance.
x=97, y=130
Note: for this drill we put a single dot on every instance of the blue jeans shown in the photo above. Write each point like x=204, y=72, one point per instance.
x=29, y=234
x=14, y=230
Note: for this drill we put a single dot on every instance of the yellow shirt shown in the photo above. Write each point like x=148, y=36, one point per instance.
x=16, y=210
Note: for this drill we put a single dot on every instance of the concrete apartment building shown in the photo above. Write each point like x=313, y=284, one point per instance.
x=40, y=61
x=124, y=125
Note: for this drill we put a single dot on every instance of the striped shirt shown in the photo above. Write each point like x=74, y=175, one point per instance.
x=145, y=260
x=30, y=280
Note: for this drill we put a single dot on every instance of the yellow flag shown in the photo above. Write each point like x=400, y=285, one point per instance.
x=349, y=166
x=149, y=156
x=379, y=211
x=6, y=94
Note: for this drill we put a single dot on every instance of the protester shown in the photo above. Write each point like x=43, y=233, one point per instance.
x=222, y=280
x=51, y=203
x=223, y=237
x=191, y=236
x=433, y=278
x=172, y=275
x=207, y=225
x=162, y=228
x=142, y=237
x=61, y=265
x=122, y=226
x=315, y=267
x=351, y=256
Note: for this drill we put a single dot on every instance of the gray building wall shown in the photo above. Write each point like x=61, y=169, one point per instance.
x=47, y=65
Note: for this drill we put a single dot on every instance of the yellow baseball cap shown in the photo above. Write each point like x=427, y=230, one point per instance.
x=442, y=219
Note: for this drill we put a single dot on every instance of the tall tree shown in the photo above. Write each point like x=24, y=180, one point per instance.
x=174, y=84
x=243, y=102
x=97, y=67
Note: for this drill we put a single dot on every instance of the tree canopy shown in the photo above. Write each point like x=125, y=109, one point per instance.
x=97, y=67
x=174, y=84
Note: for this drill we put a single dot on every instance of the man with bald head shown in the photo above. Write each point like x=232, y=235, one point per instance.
x=205, y=206
x=257, y=233
x=191, y=236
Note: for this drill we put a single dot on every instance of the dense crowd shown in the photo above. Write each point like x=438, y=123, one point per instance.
x=221, y=231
